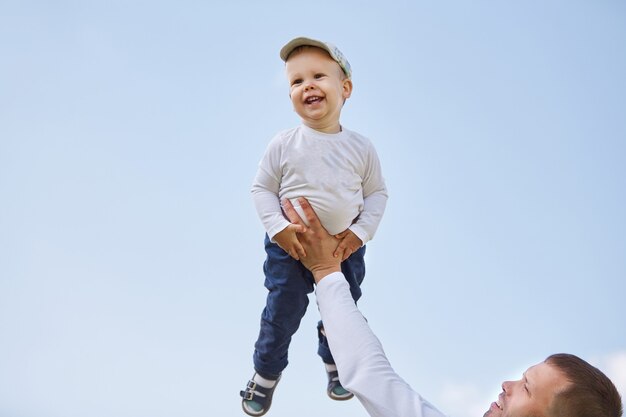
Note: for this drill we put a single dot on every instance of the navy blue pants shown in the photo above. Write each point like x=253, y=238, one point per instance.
x=289, y=284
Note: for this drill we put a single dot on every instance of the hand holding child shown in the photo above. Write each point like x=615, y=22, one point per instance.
x=349, y=244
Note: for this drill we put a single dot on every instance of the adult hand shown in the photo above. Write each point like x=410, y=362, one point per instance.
x=318, y=245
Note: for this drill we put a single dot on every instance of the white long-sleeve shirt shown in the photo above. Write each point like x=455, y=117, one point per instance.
x=339, y=174
x=361, y=362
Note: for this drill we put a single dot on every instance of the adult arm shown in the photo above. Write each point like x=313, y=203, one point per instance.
x=361, y=361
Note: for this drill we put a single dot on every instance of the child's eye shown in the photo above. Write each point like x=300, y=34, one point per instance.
x=318, y=76
x=296, y=81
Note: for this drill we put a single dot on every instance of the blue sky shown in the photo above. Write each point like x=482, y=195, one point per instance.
x=130, y=251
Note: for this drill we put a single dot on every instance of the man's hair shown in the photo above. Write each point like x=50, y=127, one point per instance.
x=589, y=393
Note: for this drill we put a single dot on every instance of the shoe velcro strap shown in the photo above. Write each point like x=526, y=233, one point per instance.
x=255, y=392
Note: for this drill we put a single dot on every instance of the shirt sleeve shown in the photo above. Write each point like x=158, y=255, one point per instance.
x=374, y=198
x=265, y=190
x=361, y=362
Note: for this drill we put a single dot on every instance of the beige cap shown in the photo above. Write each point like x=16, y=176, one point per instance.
x=332, y=50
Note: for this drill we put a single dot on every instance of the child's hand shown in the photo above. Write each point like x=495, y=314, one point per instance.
x=349, y=244
x=287, y=239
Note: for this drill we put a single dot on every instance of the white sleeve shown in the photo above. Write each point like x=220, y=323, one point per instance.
x=374, y=199
x=363, y=367
x=265, y=190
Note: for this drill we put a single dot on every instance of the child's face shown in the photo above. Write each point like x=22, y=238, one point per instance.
x=317, y=89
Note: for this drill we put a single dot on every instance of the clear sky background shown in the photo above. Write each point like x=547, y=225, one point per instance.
x=131, y=253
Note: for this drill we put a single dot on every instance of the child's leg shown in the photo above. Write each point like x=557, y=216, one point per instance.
x=289, y=284
x=353, y=269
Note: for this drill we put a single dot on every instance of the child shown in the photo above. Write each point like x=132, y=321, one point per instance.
x=338, y=171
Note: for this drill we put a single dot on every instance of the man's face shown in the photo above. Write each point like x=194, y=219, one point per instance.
x=531, y=395
x=317, y=89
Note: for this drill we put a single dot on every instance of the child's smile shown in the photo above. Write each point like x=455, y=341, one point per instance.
x=313, y=99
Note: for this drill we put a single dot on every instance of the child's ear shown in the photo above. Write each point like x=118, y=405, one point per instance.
x=347, y=88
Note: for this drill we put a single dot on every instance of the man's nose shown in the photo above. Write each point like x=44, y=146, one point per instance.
x=506, y=386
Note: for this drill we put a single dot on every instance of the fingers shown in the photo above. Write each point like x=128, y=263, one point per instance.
x=314, y=221
x=293, y=252
x=300, y=251
x=342, y=234
x=343, y=254
x=291, y=213
x=298, y=228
